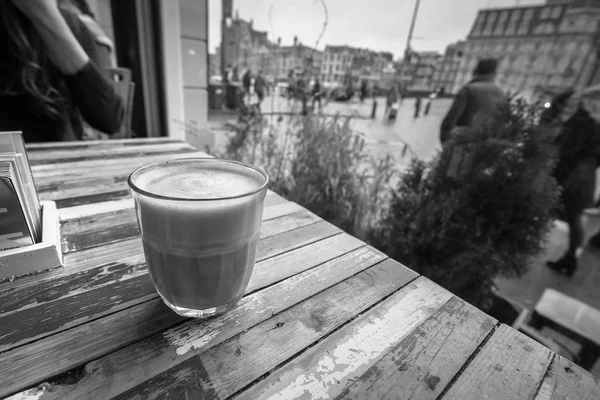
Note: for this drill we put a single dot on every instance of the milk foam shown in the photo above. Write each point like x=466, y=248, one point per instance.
x=200, y=180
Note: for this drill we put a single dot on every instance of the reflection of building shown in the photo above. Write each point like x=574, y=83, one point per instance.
x=246, y=47
x=164, y=44
x=426, y=65
x=541, y=49
x=445, y=74
x=298, y=58
x=214, y=63
x=337, y=62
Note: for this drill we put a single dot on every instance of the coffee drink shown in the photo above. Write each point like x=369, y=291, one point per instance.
x=200, y=224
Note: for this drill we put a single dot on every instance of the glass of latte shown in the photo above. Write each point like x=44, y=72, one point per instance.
x=200, y=224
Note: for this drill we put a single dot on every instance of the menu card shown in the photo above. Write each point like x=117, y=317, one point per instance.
x=20, y=216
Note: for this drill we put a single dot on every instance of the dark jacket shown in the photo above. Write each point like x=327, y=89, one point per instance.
x=88, y=94
x=259, y=85
x=578, y=146
x=477, y=100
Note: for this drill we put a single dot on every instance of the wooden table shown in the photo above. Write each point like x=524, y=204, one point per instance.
x=574, y=319
x=325, y=316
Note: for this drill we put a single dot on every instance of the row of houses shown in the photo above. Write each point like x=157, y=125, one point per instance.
x=246, y=47
x=541, y=49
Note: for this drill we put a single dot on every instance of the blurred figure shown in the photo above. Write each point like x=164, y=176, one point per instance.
x=475, y=101
x=301, y=91
x=363, y=91
x=291, y=84
x=259, y=88
x=417, y=106
x=247, y=84
x=391, y=98
x=578, y=146
x=430, y=99
x=47, y=80
x=316, y=93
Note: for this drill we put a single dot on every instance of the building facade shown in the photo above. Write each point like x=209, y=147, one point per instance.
x=541, y=50
x=345, y=64
x=247, y=48
x=337, y=64
x=447, y=70
x=297, y=58
x=427, y=64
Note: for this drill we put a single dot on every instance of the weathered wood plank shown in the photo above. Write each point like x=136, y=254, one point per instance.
x=91, y=198
x=325, y=370
x=575, y=318
x=425, y=361
x=100, y=230
x=96, y=188
x=88, y=210
x=120, y=252
x=75, y=170
x=509, y=366
x=565, y=380
x=75, y=263
x=135, y=288
x=225, y=369
x=117, y=287
x=45, y=146
x=127, y=215
x=124, y=369
x=109, y=157
x=114, y=192
x=118, y=152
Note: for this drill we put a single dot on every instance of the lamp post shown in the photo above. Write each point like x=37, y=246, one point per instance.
x=409, y=39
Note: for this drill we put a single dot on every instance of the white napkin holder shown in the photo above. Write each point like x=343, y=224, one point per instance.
x=36, y=257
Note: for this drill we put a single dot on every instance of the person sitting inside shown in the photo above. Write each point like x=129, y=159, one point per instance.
x=105, y=47
x=47, y=80
x=477, y=100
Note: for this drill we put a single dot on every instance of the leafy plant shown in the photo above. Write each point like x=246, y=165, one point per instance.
x=480, y=210
x=317, y=162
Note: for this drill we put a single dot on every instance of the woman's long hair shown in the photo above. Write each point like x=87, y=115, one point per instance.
x=25, y=67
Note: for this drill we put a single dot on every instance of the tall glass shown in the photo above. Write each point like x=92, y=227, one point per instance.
x=200, y=224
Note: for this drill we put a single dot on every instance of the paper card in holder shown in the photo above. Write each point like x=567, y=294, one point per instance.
x=29, y=234
x=16, y=173
x=14, y=230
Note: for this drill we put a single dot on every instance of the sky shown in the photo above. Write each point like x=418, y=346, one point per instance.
x=380, y=25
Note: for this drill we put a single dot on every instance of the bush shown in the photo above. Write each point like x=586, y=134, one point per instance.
x=480, y=210
x=319, y=163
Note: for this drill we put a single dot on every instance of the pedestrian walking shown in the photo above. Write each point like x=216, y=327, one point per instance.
x=247, y=83
x=259, y=88
x=363, y=91
x=417, y=106
x=316, y=93
x=291, y=85
x=301, y=89
x=477, y=100
x=432, y=96
x=578, y=145
x=391, y=98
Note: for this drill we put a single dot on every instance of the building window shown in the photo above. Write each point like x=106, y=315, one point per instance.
x=545, y=13
x=525, y=22
x=478, y=27
x=489, y=25
x=556, y=12
x=511, y=28
x=501, y=25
